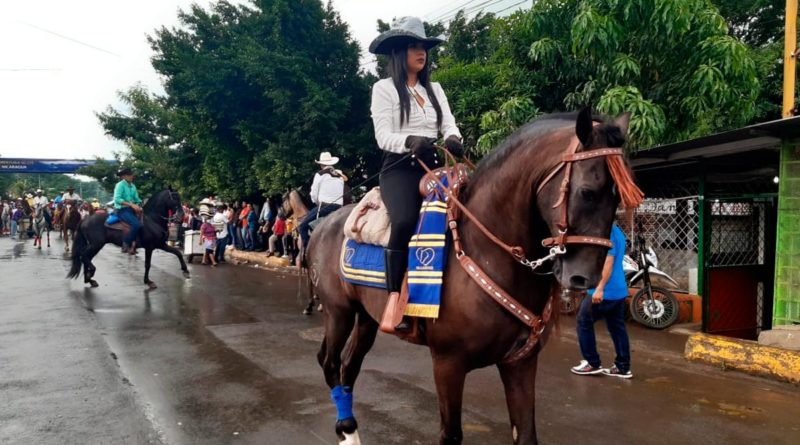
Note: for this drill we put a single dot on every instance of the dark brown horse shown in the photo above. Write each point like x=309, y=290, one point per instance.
x=513, y=194
x=93, y=234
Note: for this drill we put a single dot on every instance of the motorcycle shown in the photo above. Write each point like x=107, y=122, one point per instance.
x=654, y=307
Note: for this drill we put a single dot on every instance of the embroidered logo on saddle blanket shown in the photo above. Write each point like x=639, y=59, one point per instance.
x=363, y=264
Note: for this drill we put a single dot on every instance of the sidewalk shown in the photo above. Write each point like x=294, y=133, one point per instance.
x=236, y=256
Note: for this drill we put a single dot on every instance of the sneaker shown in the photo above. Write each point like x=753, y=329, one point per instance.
x=584, y=368
x=615, y=372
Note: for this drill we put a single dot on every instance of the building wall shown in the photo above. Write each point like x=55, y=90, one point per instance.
x=787, y=267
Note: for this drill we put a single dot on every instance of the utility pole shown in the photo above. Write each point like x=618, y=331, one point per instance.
x=790, y=58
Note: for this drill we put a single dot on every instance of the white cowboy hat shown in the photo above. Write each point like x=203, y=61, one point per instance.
x=29, y=195
x=39, y=191
x=402, y=31
x=325, y=158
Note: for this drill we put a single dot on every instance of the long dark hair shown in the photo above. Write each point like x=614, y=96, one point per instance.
x=398, y=70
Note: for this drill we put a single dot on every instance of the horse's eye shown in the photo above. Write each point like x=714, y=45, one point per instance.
x=588, y=195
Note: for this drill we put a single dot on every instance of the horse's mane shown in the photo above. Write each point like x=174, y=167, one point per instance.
x=546, y=161
x=534, y=129
x=150, y=205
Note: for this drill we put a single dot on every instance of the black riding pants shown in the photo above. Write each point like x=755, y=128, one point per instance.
x=399, y=182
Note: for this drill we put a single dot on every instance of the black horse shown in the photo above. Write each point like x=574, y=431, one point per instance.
x=93, y=234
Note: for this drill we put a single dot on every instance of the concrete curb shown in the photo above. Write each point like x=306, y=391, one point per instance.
x=746, y=356
x=259, y=258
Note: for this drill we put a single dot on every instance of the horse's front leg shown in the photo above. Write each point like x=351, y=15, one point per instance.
x=175, y=251
x=449, y=374
x=519, y=380
x=148, y=255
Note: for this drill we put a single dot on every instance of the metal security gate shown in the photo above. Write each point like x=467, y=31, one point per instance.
x=739, y=251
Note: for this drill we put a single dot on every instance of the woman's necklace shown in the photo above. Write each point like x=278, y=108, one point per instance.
x=420, y=100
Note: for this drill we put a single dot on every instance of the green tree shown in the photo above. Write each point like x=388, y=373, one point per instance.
x=253, y=94
x=263, y=89
x=760, y=24
x=671, y=63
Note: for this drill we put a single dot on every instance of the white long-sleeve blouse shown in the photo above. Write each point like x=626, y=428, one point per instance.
x=421, y=120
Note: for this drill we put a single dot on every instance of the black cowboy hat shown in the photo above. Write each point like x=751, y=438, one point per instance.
x=124, y=172
x=403, y=30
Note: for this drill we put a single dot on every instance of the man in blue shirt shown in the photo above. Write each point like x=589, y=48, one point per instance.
x=607, y=302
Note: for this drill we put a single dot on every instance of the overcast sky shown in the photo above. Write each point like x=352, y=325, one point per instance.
x=61, y=61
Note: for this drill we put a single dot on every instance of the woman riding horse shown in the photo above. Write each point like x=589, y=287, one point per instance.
x=405, y=131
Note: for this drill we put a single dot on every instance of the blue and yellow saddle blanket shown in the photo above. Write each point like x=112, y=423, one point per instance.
x=363, y=264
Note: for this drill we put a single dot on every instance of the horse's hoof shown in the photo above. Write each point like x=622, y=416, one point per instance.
x=152, y=286
x=93, y=283
x=186, y=274
x=347, y=432
x=307, y=311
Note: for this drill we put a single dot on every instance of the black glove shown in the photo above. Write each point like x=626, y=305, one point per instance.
x=454, y=146
x=422, y=148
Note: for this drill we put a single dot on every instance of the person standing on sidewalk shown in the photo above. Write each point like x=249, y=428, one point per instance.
x=607, y=301
x=220, y=222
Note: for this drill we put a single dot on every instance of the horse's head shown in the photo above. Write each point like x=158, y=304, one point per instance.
x=286, y=203
x=163, y=202
x=584, y=203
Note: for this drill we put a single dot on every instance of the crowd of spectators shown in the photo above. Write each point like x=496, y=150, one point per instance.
x=242, y=226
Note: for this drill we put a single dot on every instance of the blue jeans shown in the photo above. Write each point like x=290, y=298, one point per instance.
x=324, y=211
x=252, y=236
x=613, y=311
x=13, y=228
x=219, y=254
x=232, y=234
x=128, y=216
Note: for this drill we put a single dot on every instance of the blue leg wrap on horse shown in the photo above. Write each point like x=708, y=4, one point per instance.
x=342, y=397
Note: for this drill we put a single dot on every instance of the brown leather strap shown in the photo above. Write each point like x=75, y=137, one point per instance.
x=536, y=323
x=516, y=251
x=593, y=154
x=576, y=239
x=533, y=338
x=498, y=294
x=361, y=213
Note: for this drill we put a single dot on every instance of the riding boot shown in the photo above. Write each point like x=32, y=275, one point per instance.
x=396, y=262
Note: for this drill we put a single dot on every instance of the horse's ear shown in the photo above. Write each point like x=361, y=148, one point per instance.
x=584, y=126
x=623, y=122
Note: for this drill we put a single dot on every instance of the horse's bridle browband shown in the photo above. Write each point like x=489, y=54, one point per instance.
x=569, y=158
x=558, y=244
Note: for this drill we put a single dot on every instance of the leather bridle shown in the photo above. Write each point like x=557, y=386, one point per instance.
x=456, y=177
x=564, y=238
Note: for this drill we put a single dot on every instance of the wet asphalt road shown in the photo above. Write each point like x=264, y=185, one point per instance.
x=226, y=357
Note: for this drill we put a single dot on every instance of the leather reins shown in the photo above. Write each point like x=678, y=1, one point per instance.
x=558, y=244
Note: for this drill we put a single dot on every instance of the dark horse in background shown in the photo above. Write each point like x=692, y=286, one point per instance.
x=511, y=193
x=93, y=234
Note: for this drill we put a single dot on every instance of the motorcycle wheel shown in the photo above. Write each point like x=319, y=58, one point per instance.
x=661, y=313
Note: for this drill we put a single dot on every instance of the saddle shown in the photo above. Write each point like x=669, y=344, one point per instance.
x=368, y=222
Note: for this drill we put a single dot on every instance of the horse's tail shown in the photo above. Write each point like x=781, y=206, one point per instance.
x=78, y=246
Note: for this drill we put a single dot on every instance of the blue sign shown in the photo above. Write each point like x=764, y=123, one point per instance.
x=21, y=165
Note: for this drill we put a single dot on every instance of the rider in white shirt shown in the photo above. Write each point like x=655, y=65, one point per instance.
x=40, y=200
x=327, y=192
x=70, y=195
